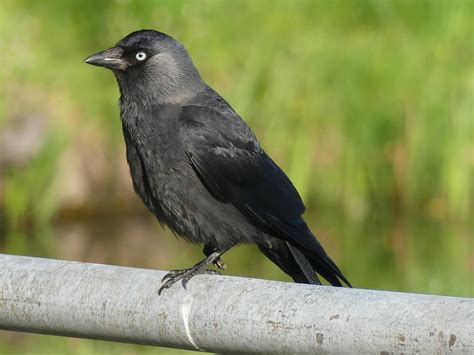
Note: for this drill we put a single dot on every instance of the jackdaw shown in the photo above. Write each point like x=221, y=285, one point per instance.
x=199, y=168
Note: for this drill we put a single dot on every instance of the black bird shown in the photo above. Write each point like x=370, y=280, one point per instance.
x=199, y=168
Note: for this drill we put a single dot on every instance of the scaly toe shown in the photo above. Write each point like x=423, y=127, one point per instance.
x=172, y=274
x=171, y=278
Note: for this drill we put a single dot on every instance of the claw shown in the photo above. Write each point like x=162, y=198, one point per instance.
x=170, y=275
x=185, y=279
x=167, y=276
x=165, y=285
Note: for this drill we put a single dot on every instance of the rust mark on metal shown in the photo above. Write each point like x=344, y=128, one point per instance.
x=8, y=300
x=452, y=340
x=319, y=338
x=278, y=325
x=440, y=335
x=401, y=337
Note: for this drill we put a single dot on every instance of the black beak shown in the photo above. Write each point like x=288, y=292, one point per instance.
x=110, y=58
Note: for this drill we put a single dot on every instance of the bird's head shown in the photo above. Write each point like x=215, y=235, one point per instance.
x=152, y=63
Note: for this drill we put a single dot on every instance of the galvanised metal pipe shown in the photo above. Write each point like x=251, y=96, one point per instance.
x=225, y=314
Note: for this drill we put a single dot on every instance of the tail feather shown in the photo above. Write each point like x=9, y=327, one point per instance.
x=302, y=264
x=290, y=260
x=324, y=265
x=298, y=237
x=320, y=260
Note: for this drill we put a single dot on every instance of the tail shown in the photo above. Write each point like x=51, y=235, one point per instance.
x=324, y=266
x=302, y=264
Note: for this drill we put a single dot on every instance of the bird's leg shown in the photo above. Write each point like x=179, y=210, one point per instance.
x=186, y=274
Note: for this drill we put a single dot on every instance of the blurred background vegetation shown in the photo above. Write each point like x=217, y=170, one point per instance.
x=367, y=105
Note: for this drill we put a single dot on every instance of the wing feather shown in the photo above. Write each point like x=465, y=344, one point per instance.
x=234, y=168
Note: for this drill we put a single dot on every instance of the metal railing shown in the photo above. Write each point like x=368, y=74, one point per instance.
x=225, y=314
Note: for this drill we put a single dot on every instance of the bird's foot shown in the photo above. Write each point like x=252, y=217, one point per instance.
x=187, y=274
x=184, y=275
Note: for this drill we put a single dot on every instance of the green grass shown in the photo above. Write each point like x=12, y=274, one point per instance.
x=367, y=105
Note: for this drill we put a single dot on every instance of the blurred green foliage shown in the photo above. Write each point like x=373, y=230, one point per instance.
x=367, y=105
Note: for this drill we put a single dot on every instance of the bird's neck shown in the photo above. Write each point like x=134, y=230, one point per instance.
x=147, y=90
x=140, y=113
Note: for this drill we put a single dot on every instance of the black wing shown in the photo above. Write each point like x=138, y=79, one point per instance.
x=233, y=167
